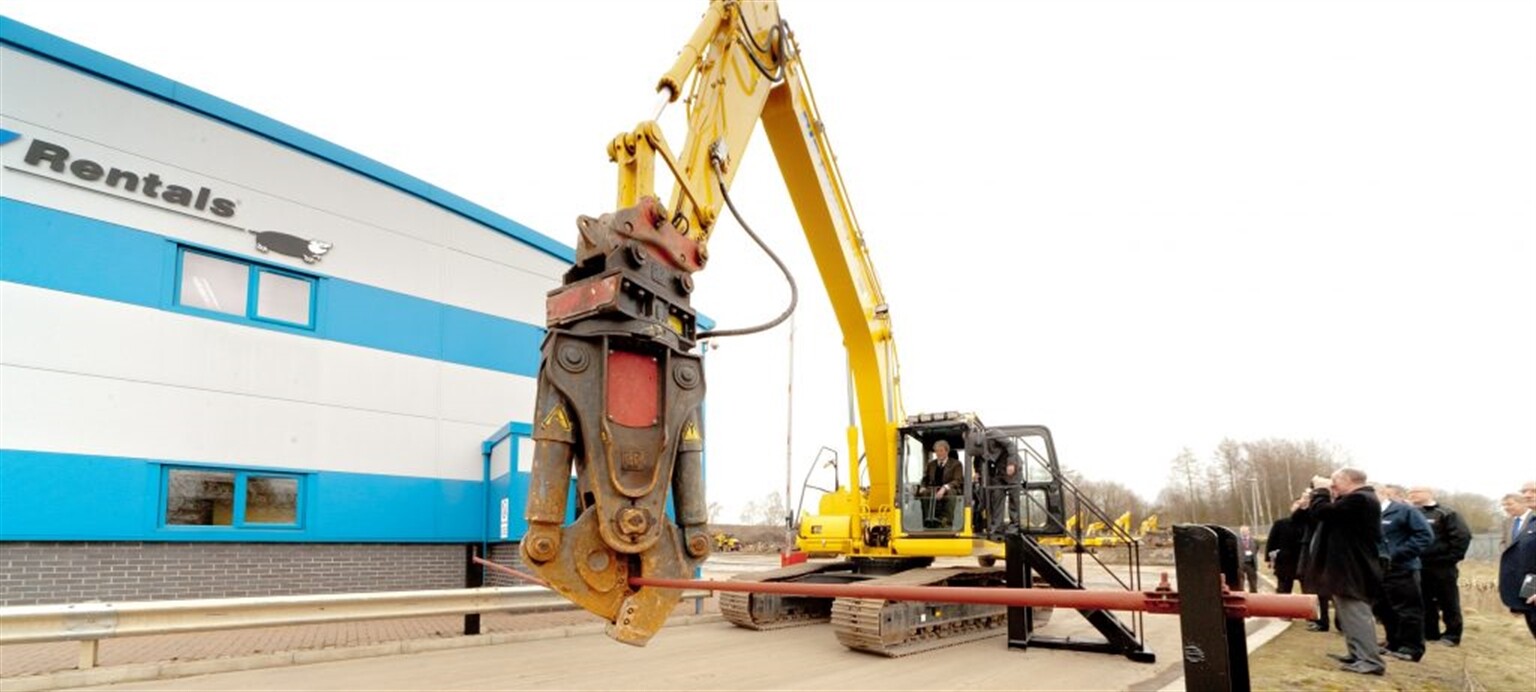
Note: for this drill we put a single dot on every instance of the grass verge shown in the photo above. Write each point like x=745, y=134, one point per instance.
x=1496, y=654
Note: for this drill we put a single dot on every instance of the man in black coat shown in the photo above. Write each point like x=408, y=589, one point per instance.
x=1517, y=562
x=1308, y=559
x=1282, y=552
x=1347, y=561
x=1439, y=571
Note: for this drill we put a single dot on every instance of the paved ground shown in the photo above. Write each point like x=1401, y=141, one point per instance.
x=712, y=655
x=716, y=656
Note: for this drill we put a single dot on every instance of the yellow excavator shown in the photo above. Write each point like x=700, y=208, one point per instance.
x=620, y=386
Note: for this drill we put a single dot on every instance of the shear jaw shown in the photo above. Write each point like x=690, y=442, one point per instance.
x=596, y=577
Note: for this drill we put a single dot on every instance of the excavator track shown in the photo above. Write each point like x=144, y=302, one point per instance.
x=901, y=628
x=758, y=611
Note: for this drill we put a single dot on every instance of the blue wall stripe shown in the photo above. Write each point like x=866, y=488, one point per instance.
x=50, y=496
x=42, y=247
x=57, y=250
x=73, y=55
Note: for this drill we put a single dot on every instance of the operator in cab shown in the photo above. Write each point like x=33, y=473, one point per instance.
x=943, y=482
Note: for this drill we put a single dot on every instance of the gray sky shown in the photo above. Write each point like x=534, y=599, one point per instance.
x=1148, y=225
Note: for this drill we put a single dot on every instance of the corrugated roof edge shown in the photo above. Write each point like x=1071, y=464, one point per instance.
x=46, y=45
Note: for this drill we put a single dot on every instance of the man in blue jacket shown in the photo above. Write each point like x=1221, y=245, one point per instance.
x=1405, y=535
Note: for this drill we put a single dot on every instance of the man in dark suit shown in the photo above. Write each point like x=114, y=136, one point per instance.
x=1248, y=558
x=1514, y=506
x=1517, y=562
x=1347, y=561
x=943, y=482
x=1282, y=552
x=1406, y=535
x=1438, y=577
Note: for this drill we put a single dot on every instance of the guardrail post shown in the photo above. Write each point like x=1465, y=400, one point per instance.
x=474, y=578
x=89, y=648
x=1215, y=644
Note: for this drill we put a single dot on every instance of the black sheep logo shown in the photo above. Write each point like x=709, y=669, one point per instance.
x=291, y=245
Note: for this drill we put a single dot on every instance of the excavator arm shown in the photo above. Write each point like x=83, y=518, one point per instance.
x=620, y=389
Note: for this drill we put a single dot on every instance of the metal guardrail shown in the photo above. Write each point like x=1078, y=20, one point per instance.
x=89, y=623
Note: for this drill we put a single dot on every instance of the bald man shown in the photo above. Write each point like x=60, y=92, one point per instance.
x=1439, y=571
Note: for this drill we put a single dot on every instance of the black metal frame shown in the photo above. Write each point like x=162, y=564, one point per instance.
x=1024, y=558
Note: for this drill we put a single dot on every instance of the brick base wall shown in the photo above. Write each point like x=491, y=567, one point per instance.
x=67, y=572
x=509, y=554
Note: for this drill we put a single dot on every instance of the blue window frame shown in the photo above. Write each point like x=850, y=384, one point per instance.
x=224, y=498
x=213, y=283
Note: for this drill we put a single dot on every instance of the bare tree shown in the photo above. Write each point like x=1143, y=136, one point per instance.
x=1481, y=513
x=1221, y=489
x=1180, y=499
x=766, y=512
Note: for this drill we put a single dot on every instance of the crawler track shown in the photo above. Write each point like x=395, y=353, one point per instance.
x=899, y=628
x=770, y=611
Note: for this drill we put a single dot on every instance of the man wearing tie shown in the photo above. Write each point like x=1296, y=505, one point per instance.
x=1517, y=562
x=1249, y=552
x=1514, y=507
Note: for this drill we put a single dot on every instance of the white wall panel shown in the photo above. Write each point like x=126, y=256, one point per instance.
x=458, y=452
x=467, y=395
x=525, y=455
x=492, y=288
x=52, y=330
x=501, y=458
x=475, y=240
x=80, y=414
x=63, y=99
x=382, y=236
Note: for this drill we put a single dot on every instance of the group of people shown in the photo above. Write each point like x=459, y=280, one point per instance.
x=1390, y=556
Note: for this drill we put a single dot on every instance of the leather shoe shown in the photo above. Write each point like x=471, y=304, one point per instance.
x=1363, y=668
x=1447, y=642
x=1343, y=658
x=1314, y=627
x=1403, y=655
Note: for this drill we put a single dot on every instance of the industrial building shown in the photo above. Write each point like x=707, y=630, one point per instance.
x=236, y=359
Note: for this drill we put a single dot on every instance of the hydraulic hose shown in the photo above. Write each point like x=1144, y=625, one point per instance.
x=794, y=291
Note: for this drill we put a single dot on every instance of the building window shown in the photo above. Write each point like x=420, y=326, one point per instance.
x=243, y=289
x=231, y=498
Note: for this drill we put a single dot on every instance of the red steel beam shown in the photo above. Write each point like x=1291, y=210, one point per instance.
x=1161, y=601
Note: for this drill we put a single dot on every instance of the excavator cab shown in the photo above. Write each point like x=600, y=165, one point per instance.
x=936, y=479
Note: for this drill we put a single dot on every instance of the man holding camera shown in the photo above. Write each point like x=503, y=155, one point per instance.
x=1347, y=561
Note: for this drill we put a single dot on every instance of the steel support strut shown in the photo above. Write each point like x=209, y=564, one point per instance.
x=1025, y=556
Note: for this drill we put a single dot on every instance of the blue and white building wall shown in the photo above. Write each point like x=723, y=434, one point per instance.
x=225, y=340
